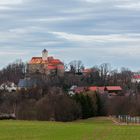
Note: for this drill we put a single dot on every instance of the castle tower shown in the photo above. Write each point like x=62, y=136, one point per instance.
x=45, y=54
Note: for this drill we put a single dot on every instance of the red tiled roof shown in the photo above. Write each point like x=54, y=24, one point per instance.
x=109, y=88
x=51, y=67
x=79, y=89
x=101, y=88
x=136, y=77
x=36, y=60
x=93, y=88
x=39, y=60
x=55, y=61
x=113, y=88
x=96, y=88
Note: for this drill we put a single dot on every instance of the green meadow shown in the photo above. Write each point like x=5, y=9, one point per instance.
x=91, y=129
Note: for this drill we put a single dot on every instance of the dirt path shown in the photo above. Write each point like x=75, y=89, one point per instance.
x=102, y=132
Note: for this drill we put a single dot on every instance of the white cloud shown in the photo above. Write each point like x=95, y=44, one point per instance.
x=17, y=33
x=93, y=1
x=99, y=38
x=25, y=30
x=6, y=5
x=12, y=53
x=10, y=2
x=57, y=19
x=123, y=4
x=47, y=43
x=131, y=6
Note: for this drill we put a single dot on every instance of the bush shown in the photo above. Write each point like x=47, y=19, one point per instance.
x=57, y=108
x=88, y=102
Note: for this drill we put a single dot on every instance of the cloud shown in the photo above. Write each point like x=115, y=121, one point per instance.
x=93, y=1
x=99, y=38
x=121, y=4
x=7, y=5
x=25, y=30
x=18, y=53
x=10, y=2
x=130, y=6
x=94, y=31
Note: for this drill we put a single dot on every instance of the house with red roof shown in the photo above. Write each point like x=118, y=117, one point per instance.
x=45, y=65
x=77, y=90
x=106, y=89
x=136, y=78
x=80, y=89
x=96, y=89
x=113, y=89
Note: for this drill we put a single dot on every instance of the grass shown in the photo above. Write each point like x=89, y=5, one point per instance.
x=91, y=129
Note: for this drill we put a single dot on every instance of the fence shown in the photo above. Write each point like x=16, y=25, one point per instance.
x=129, y=119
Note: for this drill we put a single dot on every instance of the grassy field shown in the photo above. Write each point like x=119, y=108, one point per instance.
x=91, y=129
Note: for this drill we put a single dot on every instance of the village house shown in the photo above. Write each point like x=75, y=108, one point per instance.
x=136, y=78
x=8, y=86
x=96, y=89
x=77, y=90
x=45, y=65
x=111, y=90
x=27, y=83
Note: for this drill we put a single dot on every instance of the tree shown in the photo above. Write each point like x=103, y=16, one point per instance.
x=13, y=72
x=88, y=102
x=105, y=69
x=56, y=105
x=76, y=66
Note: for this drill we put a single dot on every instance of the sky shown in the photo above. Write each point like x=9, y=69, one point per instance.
x=94, y=31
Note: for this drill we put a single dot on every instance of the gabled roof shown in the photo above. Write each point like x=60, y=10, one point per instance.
x=79, y=89
x=93, y=88
x=109, y=88
x=55, y=61
x=113, y=88
x=51, y=67
x=96, y=88
x=36, y=60
x=39, y=60
x=136, y=77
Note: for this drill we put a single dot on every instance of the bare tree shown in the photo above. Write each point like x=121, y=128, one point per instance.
x=105, y=69
x=13, y=72
x=76, y=66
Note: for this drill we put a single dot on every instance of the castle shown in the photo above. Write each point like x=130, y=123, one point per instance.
x=45, y=65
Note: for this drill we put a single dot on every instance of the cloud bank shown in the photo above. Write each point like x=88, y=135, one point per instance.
x=95, y=31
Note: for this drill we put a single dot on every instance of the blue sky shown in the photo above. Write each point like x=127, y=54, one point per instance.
x=94, y=31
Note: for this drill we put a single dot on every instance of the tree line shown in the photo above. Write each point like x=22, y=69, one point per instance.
x=50, y=101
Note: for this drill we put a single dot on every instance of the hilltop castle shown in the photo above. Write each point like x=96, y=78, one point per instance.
x=45, y=65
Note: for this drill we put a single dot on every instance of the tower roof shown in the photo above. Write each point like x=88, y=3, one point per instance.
x=44, y=50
